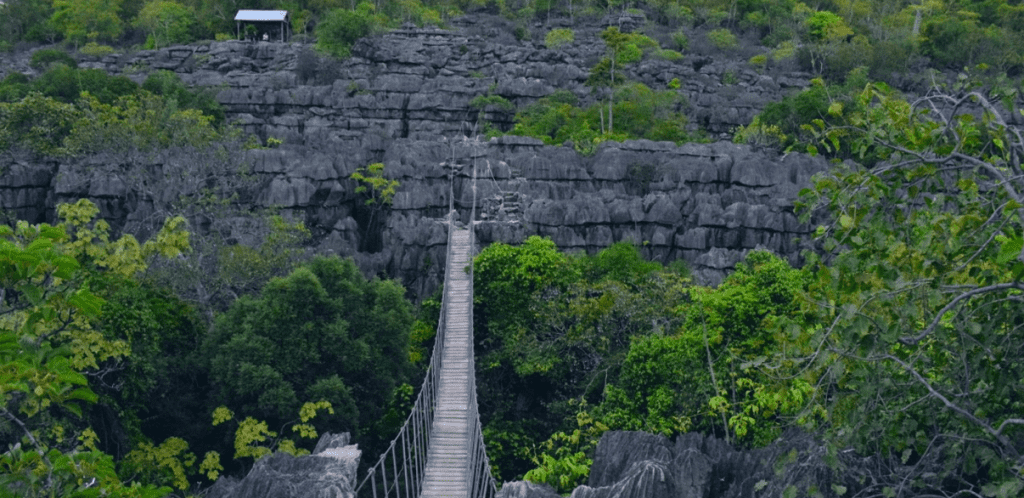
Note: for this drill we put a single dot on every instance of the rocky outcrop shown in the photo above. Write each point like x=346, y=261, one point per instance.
x=403, y=98
x=642, y=465
x=329, y=472
x=707, y=204
x=418, y=83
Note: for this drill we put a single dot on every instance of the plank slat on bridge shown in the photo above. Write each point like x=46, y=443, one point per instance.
x=447, y=469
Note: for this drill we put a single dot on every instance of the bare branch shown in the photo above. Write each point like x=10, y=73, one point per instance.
x=910, y=341
x=1003, y=441
x=1011, y=421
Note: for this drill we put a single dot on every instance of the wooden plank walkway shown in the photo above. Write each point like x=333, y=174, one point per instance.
x=447, y=470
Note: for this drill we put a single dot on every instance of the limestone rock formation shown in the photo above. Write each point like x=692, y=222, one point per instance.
x=403, y=98
x=642, y=465
x=707, y=204
x=329, y=472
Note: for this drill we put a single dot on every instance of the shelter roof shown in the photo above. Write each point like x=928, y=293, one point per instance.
x=261, y=15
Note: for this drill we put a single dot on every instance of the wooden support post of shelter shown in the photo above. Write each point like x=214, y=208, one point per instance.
x=265, y=21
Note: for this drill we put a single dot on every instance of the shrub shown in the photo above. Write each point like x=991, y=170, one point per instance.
x=520, y=32
x=93, y=49
x=759, y=61
x=675, y=84
x=341, y=28
x=559, y=37
x=66, y=84
x=825, y=25
x=669, y=55
x=47, y=57
x=760, y=135
x=723, y=39
x=168, y=85
x=14, y=87
x=680, y=41
x=785, y=50
x=223, y=37
x=166, y=22
x=483, y=101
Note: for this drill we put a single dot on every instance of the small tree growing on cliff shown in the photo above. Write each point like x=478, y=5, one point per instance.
x=621, y=48
x=379, y=192
x=165, y=22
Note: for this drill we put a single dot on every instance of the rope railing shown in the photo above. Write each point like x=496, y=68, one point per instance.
x=401, y=469
x=482, y=483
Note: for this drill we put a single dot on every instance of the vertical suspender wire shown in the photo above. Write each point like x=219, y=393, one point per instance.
x=394, y=469
x=417, y=477
x=405, y=461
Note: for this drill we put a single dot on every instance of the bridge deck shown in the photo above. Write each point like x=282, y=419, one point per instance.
x=447, y=469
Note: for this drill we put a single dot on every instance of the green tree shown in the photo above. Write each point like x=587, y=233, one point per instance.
x=620, y=48
x=48, y=344
x=166, y=22
x=322, y=333
x=340, y=28
x=87, y=20
x=553, y=328
x=919, y=349
x=379, y=192
x=26, y=20
x=705, y=376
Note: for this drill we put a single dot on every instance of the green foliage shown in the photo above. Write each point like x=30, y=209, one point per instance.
x=26, y=20
x=37, y=123
x=669, y=55
x=254, y=439
x=825, y=25
x=169, y=86
x=379, y=191
x=761, y=135
x=47, y=343
x=87, y=20
x=958, y=40
x=67, y=84
x=723, y=39
x=483, y=101
x=620, y=49
x=563, y=462
x=93, y=49
x=641, y=112
x=340, y=28
x=681, y=41
x=44, y=58
x=137, y=123
x=705, y=377
x=167, y=22
x=790, y=120
x=920, y=324
x=169, y=463
x=550, y=328
x=322, y=333
x=558, y=38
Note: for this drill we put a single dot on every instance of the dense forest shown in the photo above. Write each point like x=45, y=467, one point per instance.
x=157, y=366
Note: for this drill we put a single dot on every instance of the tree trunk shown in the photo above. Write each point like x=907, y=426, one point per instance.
x=611, y=98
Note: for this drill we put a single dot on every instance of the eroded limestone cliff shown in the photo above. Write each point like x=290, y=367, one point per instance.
x=403, y=99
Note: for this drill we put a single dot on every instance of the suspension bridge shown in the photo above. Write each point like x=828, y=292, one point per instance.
x=439, y=452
